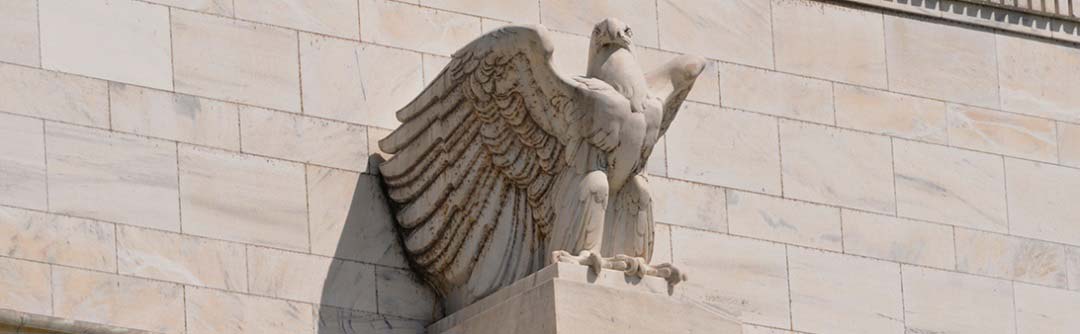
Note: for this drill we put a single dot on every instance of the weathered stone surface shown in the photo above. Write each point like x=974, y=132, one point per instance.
x=518, y=11
x=891, y=113
x=236, y=61
x=22, y=157
x=1040, y=201
x=946, y=302
x=688, y=204
x=305, y=139
x=662, y=244
x=402, y=294
x=126, y=41
x=112, y=176
x=25, y=286
x=751, y=329
x=564, y=298
x=579, y=17
x=950, y=186
x=412, y=27
x=1045, y=310
x=332, y=320
x=998, y=132
x=827, y=287
x=737, y=31
x=745, y=278
x=19, y=32
x=181, y=258
x=776, y=93
x=212, y=311
x=1068, y=142
x=219, y=7
x=118, y=300
x=1010, y=257
x=330, y=17
x=898, y=239
x=704, y=139
x=782, y=220
x=829, y=41
x=54, y=96
x=839, y=167
x=1034, y=74
x=1072, y=261
x=941, y=60
x=57, y=239
x=243, y=198
x=358, y=83
x=311, y=278
x=350, y=219
x=177, y=117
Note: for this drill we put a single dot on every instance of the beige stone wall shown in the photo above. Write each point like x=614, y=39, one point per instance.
x=199, y=166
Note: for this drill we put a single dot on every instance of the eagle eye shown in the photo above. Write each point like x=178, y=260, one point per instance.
x=628, y=32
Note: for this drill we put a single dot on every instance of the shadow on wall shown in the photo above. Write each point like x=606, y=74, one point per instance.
x=403, y=303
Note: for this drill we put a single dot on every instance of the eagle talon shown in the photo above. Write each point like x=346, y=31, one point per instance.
x=671, y=273
x=585, y=258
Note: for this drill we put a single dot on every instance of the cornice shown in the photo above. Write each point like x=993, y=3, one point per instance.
x=997, y=14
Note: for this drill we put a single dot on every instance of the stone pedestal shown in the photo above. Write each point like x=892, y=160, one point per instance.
x=568, y=299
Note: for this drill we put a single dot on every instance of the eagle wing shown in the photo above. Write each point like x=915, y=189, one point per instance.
x=478, y=151
x=671, y=82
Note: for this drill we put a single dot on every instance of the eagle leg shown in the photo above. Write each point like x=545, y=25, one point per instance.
x=639, y=267
x=633, y=266
x=585, y=258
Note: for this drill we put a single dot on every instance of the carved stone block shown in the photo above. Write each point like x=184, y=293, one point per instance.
x=568, y=298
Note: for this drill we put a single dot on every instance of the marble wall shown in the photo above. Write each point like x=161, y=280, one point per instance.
x=200, y=166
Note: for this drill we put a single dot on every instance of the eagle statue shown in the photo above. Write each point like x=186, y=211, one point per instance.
x=502, y=165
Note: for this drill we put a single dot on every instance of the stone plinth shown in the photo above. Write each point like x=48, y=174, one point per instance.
x=567, y=298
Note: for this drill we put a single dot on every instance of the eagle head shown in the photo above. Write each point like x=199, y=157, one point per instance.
x=612, y=32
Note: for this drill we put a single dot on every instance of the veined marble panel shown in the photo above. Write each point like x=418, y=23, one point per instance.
x=359, y=82
x=949, y=185
x=237, y=61
x=118, y=300
x=172, y=116
x=704, y=139
x=784, y=220
x=212, y=312
x=25, y=286
x=22, y=162
x=19, y=32
x=898, y=239
x=331, y=17
x=1010, y=257
x=125, y=41
x=54, y=96
x=180, y=258
x=311, y=278
x=57, y=239
x=243, y=198
x=112, y=176
x=946, y=302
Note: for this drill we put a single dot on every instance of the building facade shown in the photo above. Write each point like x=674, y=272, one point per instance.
x=857, y=166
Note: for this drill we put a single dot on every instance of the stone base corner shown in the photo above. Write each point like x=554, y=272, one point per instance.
x=566, y=298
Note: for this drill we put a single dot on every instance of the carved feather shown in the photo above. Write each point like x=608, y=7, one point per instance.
x=672, y=82
x=477, y=153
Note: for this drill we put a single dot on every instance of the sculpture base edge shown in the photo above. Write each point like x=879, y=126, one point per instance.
x=567, y=298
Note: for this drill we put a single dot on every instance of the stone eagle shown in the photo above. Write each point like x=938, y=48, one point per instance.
x=502, y=165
